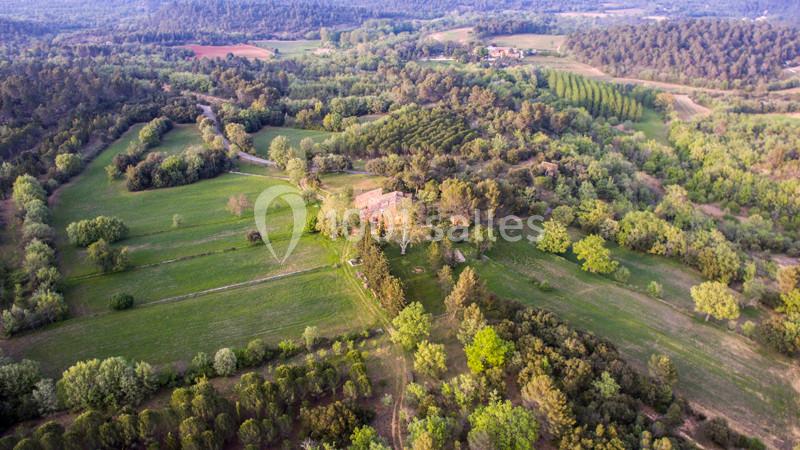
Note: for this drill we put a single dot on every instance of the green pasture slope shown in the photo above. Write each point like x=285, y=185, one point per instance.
x=720, y=372
x=251, y=294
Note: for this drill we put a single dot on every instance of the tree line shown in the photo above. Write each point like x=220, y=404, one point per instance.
x=35, y=299
x=495, y=26
x=599, y=98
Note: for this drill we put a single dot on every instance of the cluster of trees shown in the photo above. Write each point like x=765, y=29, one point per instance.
x=24, y=393
x=225, y=21
x=86, y=232
x=331, y=162
x=337, y=114
x=261, y=413
x=191, y=165
x=107, y=384
x=65, y=99
x=375, y=271
x=36, y=299
x=209, y=132
x=575, y=388
x=97, y=235
x=598, y=97
x=724, y=53
x=746, y=164
x=149, y=136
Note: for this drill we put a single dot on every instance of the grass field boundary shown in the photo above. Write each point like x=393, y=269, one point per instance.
x=90, y=276
x=245, y=174
x=228, y=287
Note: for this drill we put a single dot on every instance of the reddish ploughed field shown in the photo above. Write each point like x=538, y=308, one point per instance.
x=221, y=51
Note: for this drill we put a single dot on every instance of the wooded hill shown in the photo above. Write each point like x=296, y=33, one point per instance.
x=717, y=53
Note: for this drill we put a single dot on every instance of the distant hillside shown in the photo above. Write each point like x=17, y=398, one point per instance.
x=721, y=53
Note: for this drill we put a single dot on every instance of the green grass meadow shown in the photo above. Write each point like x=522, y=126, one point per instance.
x=653, y=126
x=290, y=48
x=174, y=332
x=207, y=252
x=264, y=137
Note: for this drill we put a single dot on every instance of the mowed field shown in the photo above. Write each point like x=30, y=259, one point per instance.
x=263, y=137
x=720, y=372
x=221, y=51
x=549, y=42
x=290, y=48
x=688, y=109
x=199, y=286
x=461, y=35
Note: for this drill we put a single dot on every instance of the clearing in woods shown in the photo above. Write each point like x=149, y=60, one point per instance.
x=221, y=51
x=549, y=42
x=290, y=48
x=721, y=372
x=263, y=137
x=461, y=35
x=653, y=126
x=244, y=292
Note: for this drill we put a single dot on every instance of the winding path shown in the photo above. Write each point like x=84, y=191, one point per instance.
x=209, y=112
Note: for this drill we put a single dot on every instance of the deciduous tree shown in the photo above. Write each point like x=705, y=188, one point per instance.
x=595, y=256
x=487, y=350
x=555, y=238
x=714, y=299
x=411, y=326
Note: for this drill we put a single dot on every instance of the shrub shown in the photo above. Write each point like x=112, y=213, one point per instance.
x=120, y=301
x=622, y=274
x=655, y=290
x=255, y=352
x=68, y=163
x=107, y=258
x=749, y=329
x=254, y=237
x=225, y=362
x=288, y=348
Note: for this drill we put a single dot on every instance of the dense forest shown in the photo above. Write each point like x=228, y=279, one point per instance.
x=716, y=53
x=500, y=25
x=72, y=105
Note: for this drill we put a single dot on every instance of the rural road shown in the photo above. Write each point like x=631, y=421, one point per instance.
x=256, y=160
x=208, y=112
